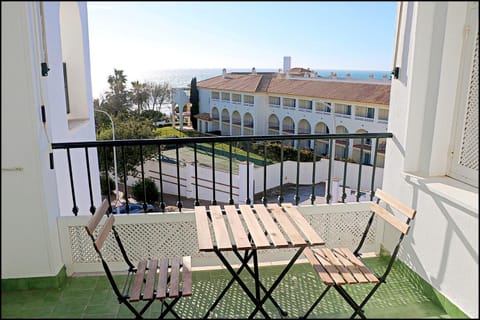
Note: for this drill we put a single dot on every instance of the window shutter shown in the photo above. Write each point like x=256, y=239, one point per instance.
x=464, y=162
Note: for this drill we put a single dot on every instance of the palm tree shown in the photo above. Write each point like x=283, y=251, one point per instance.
x=117, y=97
x=139, y=95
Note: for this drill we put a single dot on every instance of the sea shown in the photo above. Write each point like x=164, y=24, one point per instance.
x=178, y=78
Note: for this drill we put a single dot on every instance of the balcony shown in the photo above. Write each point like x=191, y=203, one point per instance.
x=85, y=291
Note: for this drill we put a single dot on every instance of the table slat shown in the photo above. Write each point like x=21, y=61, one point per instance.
x=289, y=229
x=219, y=227
x=303, y=224
x=203, y=229
x=271, y=227
x=256, y=232
x=241, y=238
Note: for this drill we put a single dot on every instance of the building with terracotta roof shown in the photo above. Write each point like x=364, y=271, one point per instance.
x=295, y=102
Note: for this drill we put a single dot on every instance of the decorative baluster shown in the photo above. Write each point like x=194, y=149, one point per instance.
x=162, y=202
x=197, y=203
x=92, y=207
x=75, y=208
x=360, y=170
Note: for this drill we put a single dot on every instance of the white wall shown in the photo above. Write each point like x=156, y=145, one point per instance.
x=30, y=244
x=442, y=246
x=34, y=195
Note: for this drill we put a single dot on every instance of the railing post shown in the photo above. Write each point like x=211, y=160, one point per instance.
x=264, y=198
x=214, y=201
x=314, y=163
x=160, y=174
x=197, y=203
x=280, y=196
x=360, y=170
x=75, y=208
x=372, y=189
x=92, y=206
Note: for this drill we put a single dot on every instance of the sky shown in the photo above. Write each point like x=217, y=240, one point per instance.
x=139, y=37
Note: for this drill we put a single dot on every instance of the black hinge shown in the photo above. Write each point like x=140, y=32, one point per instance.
x=395, y=72
x=44, y=118
x=45, y=69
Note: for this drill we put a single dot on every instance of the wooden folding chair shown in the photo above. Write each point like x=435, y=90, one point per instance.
x=155, y=279
x=340, y=266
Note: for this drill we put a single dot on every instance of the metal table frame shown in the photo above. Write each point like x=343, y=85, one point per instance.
x=280, y=227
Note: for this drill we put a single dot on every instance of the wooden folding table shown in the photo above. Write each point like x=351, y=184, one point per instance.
x=246, y=229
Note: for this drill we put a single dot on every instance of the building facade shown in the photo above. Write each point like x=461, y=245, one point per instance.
x=296, y=102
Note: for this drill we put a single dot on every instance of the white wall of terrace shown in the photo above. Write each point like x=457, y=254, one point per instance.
x=32, y=193
x=434, y=53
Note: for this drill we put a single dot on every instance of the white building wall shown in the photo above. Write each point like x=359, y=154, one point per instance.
x=442, y=246
x=29, y=231
x=30, y=189
x=261, y=111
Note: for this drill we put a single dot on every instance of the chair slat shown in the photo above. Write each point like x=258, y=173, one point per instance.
x=388, y=217
x=317, y=266
x=295, y=237
x=187, y=276
x=404, y=209
x=162, y=279
x=241, y=238
x=174, y=277
x=254, y=227
x=222, y=237
x=107, y=227
x=97, y=217
x=151, y=276
x=342, y=270
x=329, y=267
x=357, y=274
x=303, y=224
x=138, y=281
x=271, y=227
x=201, y=221
x=368, y=274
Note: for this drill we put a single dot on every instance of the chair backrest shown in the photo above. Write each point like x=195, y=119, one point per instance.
x=93, y=224
x=408, y=212
x=393, y=220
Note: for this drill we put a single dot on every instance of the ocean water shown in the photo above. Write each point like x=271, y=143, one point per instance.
x=182, y=77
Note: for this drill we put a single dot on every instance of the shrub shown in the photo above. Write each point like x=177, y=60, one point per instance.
x=151, y=191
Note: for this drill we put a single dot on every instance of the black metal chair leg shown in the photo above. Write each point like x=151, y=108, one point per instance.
x=169, y=308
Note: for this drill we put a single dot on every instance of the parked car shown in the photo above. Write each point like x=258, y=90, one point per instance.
x=133, y=208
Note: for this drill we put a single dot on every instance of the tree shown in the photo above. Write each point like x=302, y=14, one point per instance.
x=139, y=95
x=159, y=93
x=128, y=126
x=194, y=109
x=116, y=99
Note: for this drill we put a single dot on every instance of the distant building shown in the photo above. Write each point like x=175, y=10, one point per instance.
x=296, y=101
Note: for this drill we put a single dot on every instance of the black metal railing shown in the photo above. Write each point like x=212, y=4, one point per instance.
x=105, y=146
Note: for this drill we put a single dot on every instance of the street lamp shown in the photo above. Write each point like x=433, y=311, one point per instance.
x=114, y=154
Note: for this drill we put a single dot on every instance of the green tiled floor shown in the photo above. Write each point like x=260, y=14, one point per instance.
x=92, y=297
